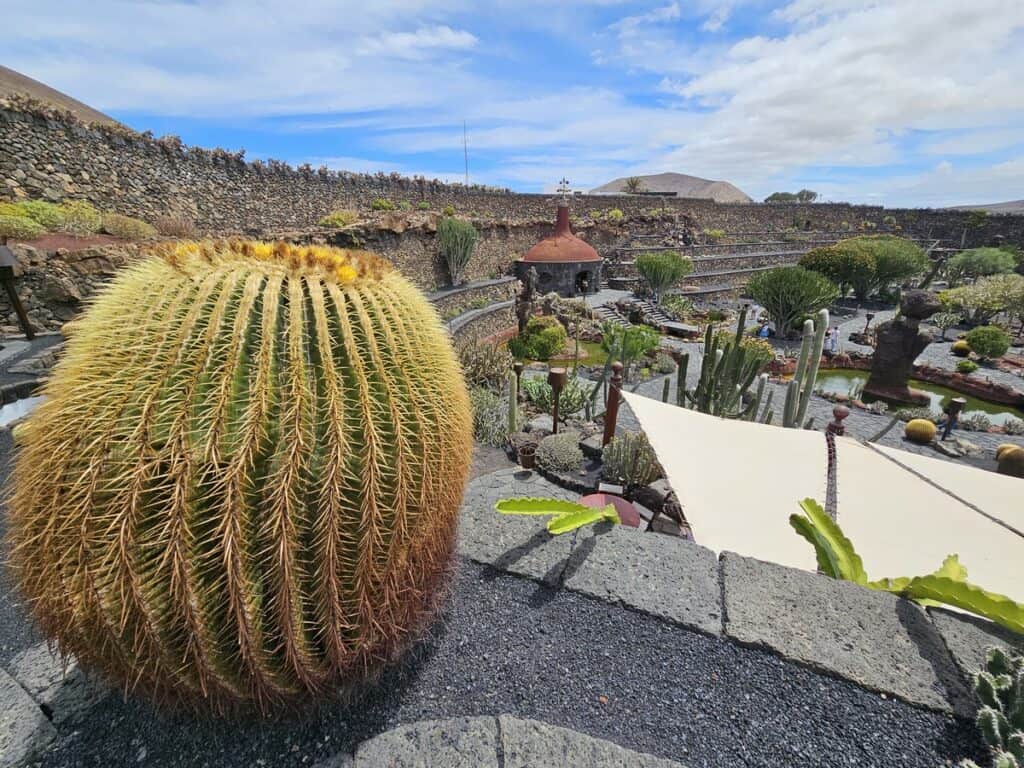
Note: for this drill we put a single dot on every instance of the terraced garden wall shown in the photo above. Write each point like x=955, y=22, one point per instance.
x=53, y=156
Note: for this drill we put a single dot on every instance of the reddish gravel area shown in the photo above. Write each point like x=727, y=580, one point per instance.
x=55, y=240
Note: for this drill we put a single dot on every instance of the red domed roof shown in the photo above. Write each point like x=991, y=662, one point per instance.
x=563, y=245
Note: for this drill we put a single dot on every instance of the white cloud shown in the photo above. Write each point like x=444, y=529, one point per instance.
x=416, y=45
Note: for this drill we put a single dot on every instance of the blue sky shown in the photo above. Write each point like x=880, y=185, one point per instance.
x=900, y=102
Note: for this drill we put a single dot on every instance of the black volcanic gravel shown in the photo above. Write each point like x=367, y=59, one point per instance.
x=508, y=645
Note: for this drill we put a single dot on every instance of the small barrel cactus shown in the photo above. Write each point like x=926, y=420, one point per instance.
x=1010, y=460
x=960, y=348
x=920, y=431
x=243, y=487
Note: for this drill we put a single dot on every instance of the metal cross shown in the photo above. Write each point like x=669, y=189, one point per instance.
x=563, y=187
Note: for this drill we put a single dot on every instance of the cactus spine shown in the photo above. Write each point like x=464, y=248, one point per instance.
x=801, y=387
x=244, y=484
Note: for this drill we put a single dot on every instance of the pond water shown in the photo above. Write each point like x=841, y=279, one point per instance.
x=14, y=411
x=844, y=382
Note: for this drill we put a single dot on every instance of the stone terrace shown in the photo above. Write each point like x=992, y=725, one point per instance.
x=605, y=647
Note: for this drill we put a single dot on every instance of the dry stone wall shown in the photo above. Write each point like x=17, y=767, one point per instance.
x=54, y=156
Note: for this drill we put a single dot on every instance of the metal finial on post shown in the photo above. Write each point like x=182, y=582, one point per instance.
x=953, y=410
x=517, y=368
x=611, y=411
x=836, y=426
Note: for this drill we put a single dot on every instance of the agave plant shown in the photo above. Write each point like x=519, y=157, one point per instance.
x=244, y=484
x=948, y=585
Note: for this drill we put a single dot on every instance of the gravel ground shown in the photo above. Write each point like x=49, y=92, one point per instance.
x=512, y=646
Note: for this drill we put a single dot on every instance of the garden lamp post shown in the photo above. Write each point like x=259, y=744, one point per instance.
x=870, y=316
x=556, y=380
x=611, y=410
x=517, y=369
x=953, y=410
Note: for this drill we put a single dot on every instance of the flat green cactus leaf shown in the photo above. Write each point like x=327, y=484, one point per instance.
x=967, y=596
x=573, y=520
x=952, y=569
x=832, y=543
x=535, y=506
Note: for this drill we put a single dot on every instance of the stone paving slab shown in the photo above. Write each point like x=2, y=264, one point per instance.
x=665, y=576
x=517, y=544
x=530, y=744
x=462, y=742
x=24, y=729
x=873, y=638
x=64, y=690
x=967, y=638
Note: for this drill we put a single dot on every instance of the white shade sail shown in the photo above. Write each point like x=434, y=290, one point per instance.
x=738, y=483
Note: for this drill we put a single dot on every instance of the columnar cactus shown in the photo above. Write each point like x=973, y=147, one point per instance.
x=243, y=486
x=1000, y=689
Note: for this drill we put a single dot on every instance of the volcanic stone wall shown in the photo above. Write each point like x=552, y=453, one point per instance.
x=52, y=155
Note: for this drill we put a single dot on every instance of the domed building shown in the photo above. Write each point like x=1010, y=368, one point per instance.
x=564, y=263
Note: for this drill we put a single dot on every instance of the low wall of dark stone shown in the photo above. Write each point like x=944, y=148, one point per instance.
x=451, y=302
x=52, y=155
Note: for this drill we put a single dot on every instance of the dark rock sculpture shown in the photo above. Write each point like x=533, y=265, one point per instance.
x=898, y=343
x=524, y=301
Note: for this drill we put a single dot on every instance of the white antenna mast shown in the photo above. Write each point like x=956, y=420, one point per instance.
x=465, y=150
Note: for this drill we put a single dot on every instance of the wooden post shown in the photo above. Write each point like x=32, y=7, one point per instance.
x=556, y=380
x=611, y=411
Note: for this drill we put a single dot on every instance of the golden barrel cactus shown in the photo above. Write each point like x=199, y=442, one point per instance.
x=920, y=431
x=1010, y=460
x=243, y=487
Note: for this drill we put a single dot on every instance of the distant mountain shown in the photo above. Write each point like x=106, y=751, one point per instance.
x=12, y=82
x=682, y=185
x=1014, y=206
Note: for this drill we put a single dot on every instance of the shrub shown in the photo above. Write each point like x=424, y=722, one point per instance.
x=967, y=367
x=449, y=210
x=175, y=225
x=975, y=421
x=405, y=205
x=663, y=269
x=920, y=431
x=382, y=204
x=339, y=219
x=49, y=216
x=789, y=293
x=268, y=475
x=423, y=205
x=896, y=259
x=909, y=414
x=126, y=227
x=542, y=338
x=615, y=216
x=629, y=460
x=847, y=263
x=628, y=344
x=986, y=298
x=1013, y=426
x=560, y=453
x=20, y=228
x=490, y=417
x=677, y=306
x=946, y=320
x=714, y=235
x=571, y=400
x=664, y=363
x=978, y=262
x=484, y=364
x=457, y=239
x=960, y=348
x=80, y=218
x=988, y=341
